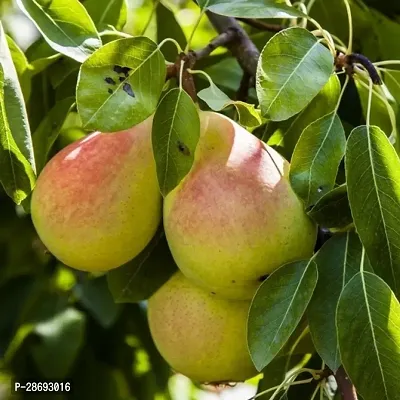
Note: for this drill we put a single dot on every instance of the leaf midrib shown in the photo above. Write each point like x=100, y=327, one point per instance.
x=169, y=137
x=291, y=75
x=317, y=153
x=290, y=306
x=373, y=332
x=52, y=21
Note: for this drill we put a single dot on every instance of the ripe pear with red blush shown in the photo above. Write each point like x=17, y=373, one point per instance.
x=97, y=204
x=200, y=335
x=234, y=218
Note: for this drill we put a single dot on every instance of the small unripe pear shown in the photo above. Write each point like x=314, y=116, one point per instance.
x=235, y=218
x=97, y=204
x=200, y=335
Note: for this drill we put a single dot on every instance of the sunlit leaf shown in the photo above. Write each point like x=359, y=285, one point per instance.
x=251, y=8
x=16, y=173
x=368, y=325
x=65, y=25
x=293, y=67
x=14, y=103
x=373, y=186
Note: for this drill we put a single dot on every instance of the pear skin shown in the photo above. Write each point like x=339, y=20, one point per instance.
x=97, y=204
x=234, y=218
x=200, y=335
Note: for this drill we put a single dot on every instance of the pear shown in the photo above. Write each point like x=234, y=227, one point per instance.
x=97, y=204
x=234, y=218
x=200, y=335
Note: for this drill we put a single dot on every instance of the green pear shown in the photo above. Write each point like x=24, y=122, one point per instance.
x=97, y=204
x=200, y=335
x=235, y=218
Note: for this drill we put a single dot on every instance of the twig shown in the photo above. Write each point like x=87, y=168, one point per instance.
x=174, y=70
x=348, y=61
x=244, y=87
x=263, y=26
x=346, y=388
x=243, y=49
x=171, y=71
x=221, y=40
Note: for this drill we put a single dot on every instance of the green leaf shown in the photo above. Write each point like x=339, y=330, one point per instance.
x=40, y=64
x=251, y=8
x=338, y=260
x=168, y=27
x=39, y=49
x=333, y=209
x=48, y=130
x=293, y=68
x=138, y=279
x=16, y=174
x=277, y=308
x=120, y=84
x=22, y=67
x=61, y=70
x=368, y=324
x=14, y=103
x=62, y=336
x=65, y=25
x=107, y=12
x=316, y=158
x=18, y=57
x=284, y=135
x=217, y=100
x=25, y=69
x=373, y=186
x=94, y=295
x=176, y=131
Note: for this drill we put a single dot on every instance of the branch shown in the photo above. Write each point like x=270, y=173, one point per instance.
x=174, y=71
x=346, y=388
x=348, y=61
x=244, y=87
x=221, y=40
x=243, y=49
x=263, y=26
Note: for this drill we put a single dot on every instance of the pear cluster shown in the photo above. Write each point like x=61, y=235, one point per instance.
x=229, y=223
